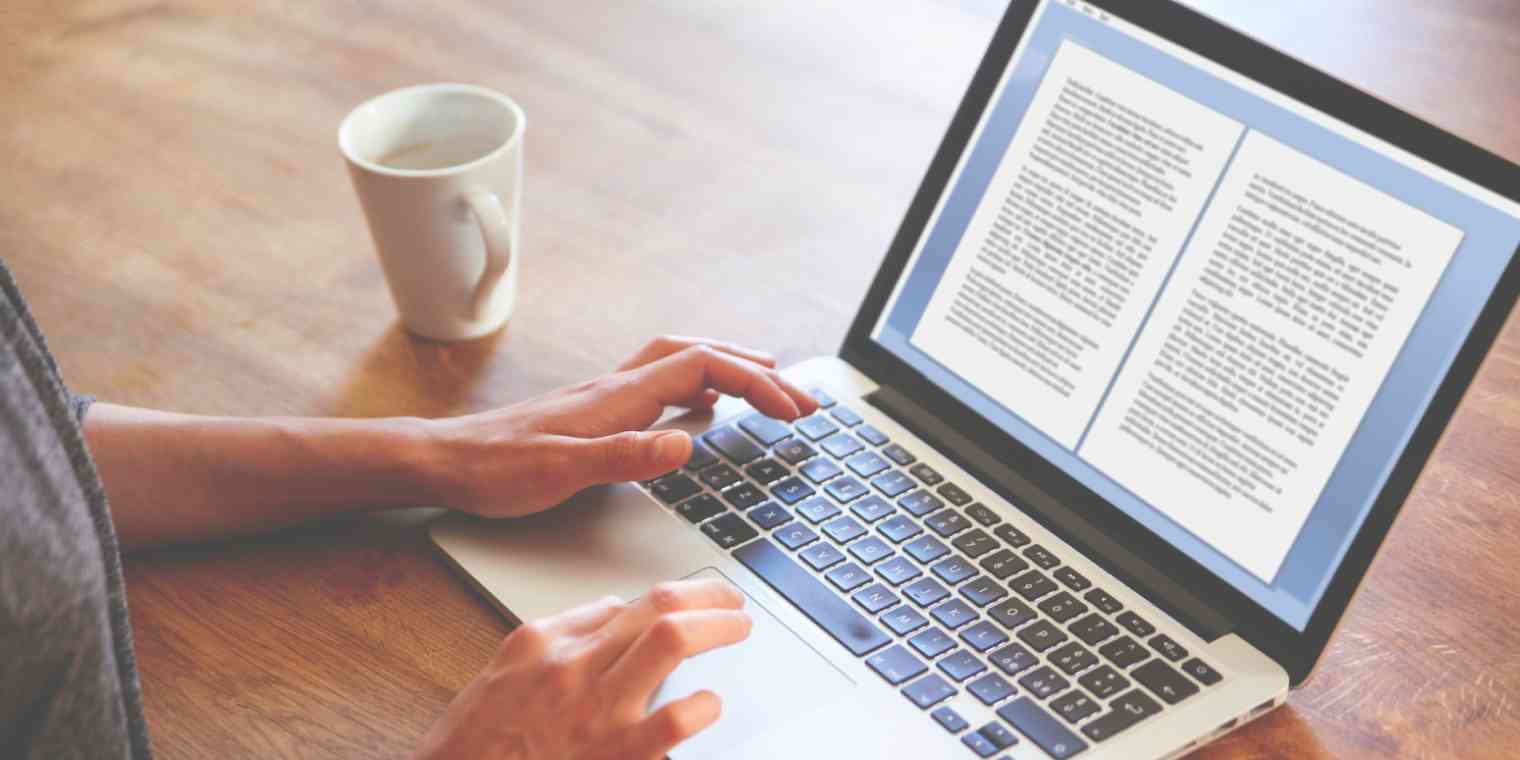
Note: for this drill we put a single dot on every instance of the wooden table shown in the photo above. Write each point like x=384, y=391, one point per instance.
x=175, y=207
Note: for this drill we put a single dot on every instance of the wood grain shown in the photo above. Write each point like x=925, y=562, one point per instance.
x=177, y=212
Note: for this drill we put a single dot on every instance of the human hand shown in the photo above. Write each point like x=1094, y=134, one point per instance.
x=576, y=686
x=530, y=456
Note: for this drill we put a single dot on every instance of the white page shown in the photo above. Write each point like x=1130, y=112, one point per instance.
x=1266, y=348
x=1084, y=216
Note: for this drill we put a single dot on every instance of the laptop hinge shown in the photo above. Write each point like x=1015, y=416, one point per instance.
x=1203, y=620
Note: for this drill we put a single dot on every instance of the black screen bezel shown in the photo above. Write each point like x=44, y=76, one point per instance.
x=1296, y=651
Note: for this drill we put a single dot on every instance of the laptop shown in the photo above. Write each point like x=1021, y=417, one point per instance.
x=1158, y=351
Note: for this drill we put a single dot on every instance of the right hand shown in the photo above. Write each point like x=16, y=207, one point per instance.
x=576, y=686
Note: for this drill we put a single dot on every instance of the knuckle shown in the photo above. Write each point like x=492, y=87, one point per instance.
x=529, y=639
x=623, y=449
x=561, y=674
x=668, y=634
x=675, y=725
x=665, y=597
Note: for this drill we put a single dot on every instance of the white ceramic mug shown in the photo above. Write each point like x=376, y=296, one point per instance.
x=438, y=169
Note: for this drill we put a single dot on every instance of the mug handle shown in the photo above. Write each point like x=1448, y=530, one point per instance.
x=496, y=230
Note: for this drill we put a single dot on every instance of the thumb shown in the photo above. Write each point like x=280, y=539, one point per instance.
x=631, y=455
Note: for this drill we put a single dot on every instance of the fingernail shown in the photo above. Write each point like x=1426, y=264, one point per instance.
x=669, y=445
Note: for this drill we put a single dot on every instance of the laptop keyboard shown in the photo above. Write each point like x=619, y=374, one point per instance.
x=933, y=589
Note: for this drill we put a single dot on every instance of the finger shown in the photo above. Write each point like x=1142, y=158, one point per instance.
x=578, y=621
x=683, y=375
x=670, y=640
x=660, y=731
x=705, y=400
x=532, y=639
x=664, y=346
x=631, y=455
x=664, y=598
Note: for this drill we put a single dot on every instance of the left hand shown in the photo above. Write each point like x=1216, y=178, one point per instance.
x=531, y=456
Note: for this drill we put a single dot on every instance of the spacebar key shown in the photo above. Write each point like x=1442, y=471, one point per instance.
x=852, y=629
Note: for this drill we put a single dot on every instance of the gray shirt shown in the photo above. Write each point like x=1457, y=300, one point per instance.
x=68, y=682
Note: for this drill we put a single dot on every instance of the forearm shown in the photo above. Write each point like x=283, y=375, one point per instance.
x=174, y=477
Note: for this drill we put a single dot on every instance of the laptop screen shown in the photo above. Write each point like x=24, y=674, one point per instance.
x=1220, y=310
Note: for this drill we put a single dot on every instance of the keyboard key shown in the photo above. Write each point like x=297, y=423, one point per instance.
x=1036, y=724
x=820, y=469
x=920, y=503
x=816, y=427
x=817, y=509
x=1103, y=681
x=792, y=490
x=961, y=665
x=1135, y=624
x=846, y=416
x=953, y=570
x=822, y=397
x=836, y=616
x=983, y=590
x=729, y=530
x=928, y=691
x=984, y=636
x=1104, y=602
x=1073, y=658
x=872, y=508
x=898, y=570
x=949, y=719
x=926, y=549
x=1126, y=711
x=845, y=489
x=844, y=530
x=841, y=445
x=953, y=614
x=925, y=592
x=673, y=488
x=1123, y=652
x=700, y=507
x=1200, y=670
x=767, y=471
x=1003, y=563
x=953, y=494
x=1164, y=682
x=1041, y=557
x=947, y=523
x=701, y=456
x=769, y=515
x=898, y=454
x=893, y=484
x=1041, y=635
x=1062, y=607
x=848, y=577
x=744, y=495
x=998, y=734
x=1074, y=706
x=899, y=528
x=926, y=474
x=866, y=464
x=1032, y=585
x=765, y=429
x=1093, y=629
x=981, y=745
x=991, y=689
x=983, y=514
x=896, y=664
x=795, y=536
x=1072, y=579
x=720, y=477
x=875, y=598
x=870, y=550
x=821, y=556
x=903, y=620
x=1011, y=535
x=794, y=451
x=932, y=643
x=1011, y=613
x=871, y=435
x=735, y=445
x=1043, y=682
x=974, y=543
x=1169, y=649
x=1013, y=659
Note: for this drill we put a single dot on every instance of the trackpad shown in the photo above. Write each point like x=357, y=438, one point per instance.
x=765, y=680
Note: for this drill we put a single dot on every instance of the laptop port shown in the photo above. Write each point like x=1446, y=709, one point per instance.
x=1263, y=707
x=1227, y=725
